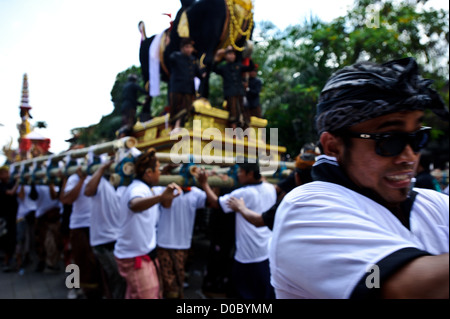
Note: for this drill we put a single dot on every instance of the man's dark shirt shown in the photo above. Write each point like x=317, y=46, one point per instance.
x=426, y=180
x=130, y=94
x=183, y=70
x=254, y=88
x=232, y=77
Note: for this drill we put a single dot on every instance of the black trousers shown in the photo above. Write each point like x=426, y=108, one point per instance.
x=252, y=281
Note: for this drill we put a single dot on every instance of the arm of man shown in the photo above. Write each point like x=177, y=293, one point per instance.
x=68, y=197
x=21, y=193
x=238, y=205
x=140, y=204
x=92, y=185
x=13, y=190
x=219, y=56
x=61, y=188
x=52, y=190
x=423, y=277
x=172, y=190
x=211, y=197
x=216, y=66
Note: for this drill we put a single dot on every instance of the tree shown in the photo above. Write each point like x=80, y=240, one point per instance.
x=297, y=62
x=294, y=65
x=106, y=129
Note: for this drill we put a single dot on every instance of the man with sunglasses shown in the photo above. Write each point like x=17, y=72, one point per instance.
x=360, y=230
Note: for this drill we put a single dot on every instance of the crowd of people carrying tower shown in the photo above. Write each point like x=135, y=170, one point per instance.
x=133, y=241
x=352, y=205
x=84, y=220
x=241, y=88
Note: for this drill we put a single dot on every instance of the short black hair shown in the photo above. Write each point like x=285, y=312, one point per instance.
x=186, y=41
x=146, y=160
x=251, y=167
x=426, y=159
x=366, y=90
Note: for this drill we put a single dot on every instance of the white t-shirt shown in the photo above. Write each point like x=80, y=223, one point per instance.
x=121, y=190
x=176, y=223
x=105, y=214
x=25, y=205
x=44, y=202
x=327, y=237
x=137, y=233
x=252, y=243
x=81, y=207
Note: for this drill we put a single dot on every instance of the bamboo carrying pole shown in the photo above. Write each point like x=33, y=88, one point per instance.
x=59, y=172
x=216, y=178
x=216, y=165
x=98, y=149
x=217, y=160
x=107, y=147
x=213, y=181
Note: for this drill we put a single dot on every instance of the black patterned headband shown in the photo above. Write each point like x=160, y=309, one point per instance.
x=366, y=90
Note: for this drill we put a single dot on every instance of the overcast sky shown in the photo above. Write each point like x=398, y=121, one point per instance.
x=73, y=50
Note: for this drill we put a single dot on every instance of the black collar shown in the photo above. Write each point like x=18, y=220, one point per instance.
x=254, y=184
x=326, y=169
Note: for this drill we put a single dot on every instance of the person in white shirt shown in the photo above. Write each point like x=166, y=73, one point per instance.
x=300, y=175
x=445, y=191
x=360, y=230
x=80, y=220
x=47, y=221
x=175, y=229
x=24, y=227
x=135, y=246
x=251, y=273
x=104, y=228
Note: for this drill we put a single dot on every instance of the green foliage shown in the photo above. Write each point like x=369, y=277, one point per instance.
x=106, y=129
x=295, y=63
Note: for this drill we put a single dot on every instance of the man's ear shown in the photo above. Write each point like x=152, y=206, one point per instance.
x=332, y=145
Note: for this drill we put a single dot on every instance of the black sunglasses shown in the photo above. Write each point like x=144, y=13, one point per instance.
x=393, y=143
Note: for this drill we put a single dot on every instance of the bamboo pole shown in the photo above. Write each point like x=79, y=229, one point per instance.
x=108, y=147
x=61, y=172
x=98, y=149
x=213, y=181
x=216, y=160
x=218, y=176
x=217, y=166
x=130, y=142
x=225, y=170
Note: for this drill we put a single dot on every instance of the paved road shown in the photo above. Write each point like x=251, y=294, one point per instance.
x=33, y=285
x=44, y=285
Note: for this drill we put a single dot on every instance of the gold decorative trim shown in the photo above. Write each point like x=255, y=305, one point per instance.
x=183, y=26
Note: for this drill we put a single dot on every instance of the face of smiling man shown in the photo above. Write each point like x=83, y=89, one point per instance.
x=389, y=177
